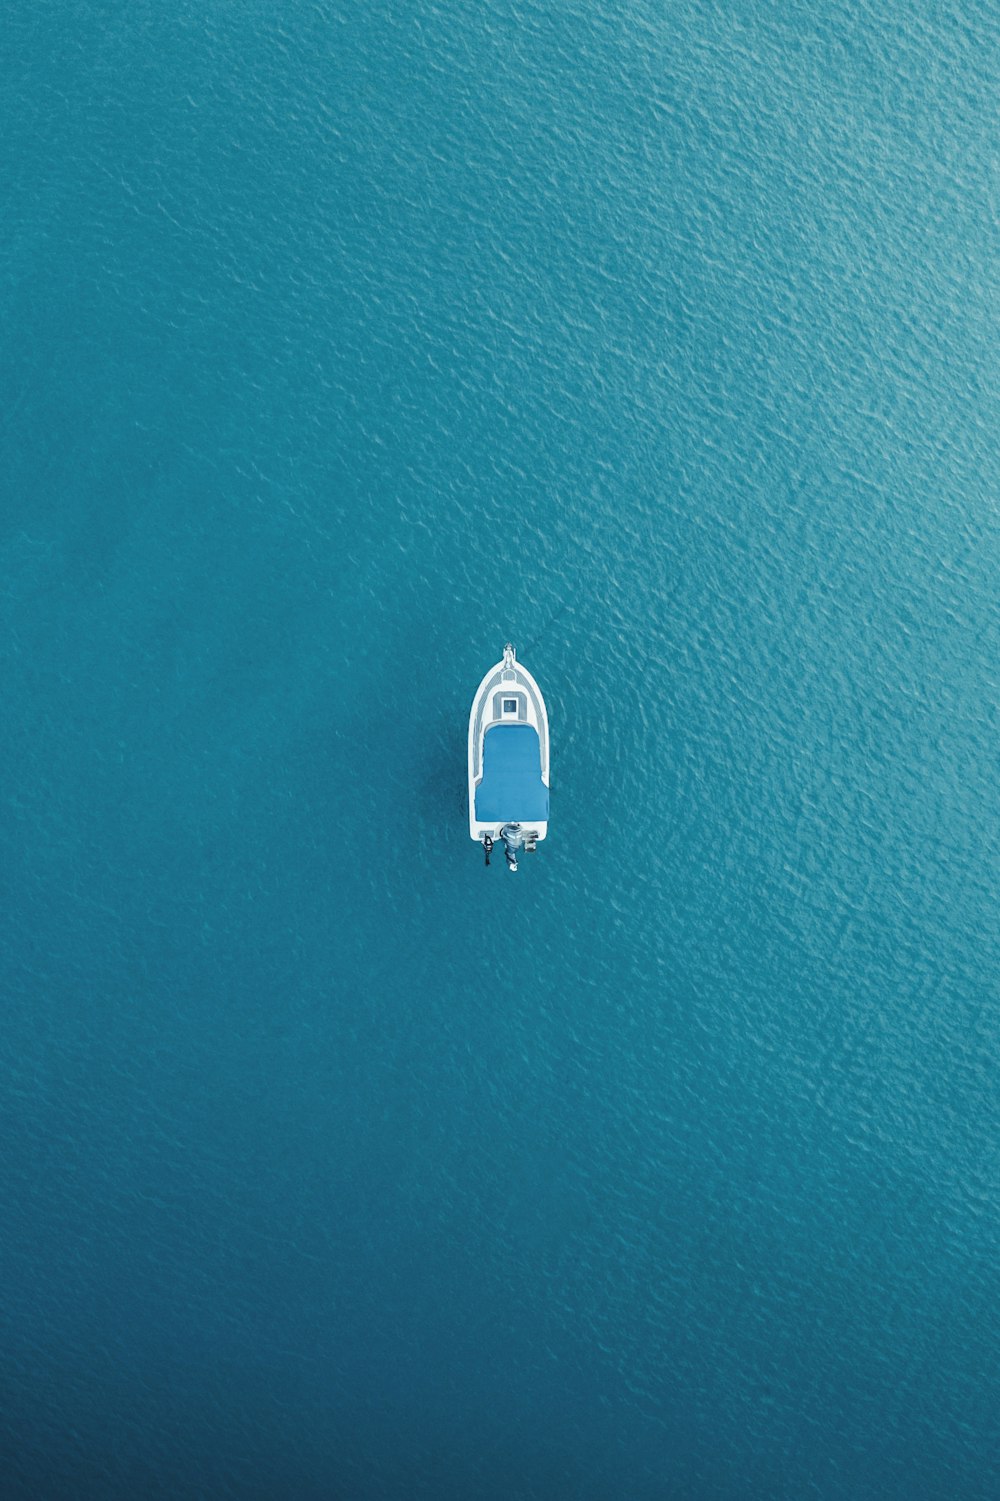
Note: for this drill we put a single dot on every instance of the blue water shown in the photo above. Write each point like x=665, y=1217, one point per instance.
x=341, y=344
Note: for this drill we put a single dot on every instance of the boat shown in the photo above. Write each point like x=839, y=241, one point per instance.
x=508, y=761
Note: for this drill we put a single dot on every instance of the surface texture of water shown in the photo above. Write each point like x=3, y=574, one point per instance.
x=343, y=343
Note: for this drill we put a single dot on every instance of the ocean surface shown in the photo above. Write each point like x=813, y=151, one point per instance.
x=341, y=344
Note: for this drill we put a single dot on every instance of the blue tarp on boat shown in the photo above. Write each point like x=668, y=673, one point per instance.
x=512, y=790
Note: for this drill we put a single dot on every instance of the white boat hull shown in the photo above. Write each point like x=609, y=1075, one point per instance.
x=507, y=696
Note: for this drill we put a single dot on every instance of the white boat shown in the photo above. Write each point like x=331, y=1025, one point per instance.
x=508, y=760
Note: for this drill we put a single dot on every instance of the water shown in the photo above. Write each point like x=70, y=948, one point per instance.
x=343, y=344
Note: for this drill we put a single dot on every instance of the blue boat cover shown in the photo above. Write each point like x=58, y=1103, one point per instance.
x=512, y=790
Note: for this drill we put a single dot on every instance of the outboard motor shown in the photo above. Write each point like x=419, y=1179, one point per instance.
x=513, y=842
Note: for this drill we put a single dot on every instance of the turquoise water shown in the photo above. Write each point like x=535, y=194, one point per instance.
x=343, y=344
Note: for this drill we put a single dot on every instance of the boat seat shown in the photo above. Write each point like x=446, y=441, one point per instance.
x=511, y=789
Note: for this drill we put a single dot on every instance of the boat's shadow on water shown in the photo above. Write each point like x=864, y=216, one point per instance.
x=442, y=782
